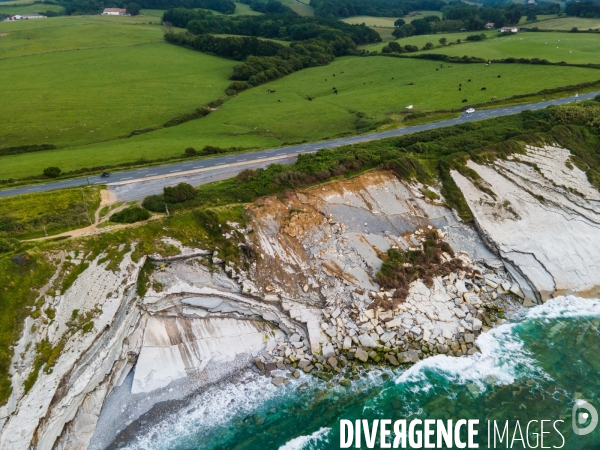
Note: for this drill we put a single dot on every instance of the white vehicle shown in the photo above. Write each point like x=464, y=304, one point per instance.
x=470, y=111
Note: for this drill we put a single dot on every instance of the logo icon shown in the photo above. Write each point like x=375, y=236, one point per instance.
x=584, y=413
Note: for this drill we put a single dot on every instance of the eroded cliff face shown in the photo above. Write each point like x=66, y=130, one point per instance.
x=545, y=219
x=310, y=299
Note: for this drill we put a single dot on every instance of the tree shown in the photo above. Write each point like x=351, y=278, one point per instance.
x=431, y=19
x=133, y=9
x=531, y=17
x=443, y=41
x=421, y=26
x=52, y=172
x=395, y=47
x=428, y=46
x=190, y=151
x=405, y=30
x=179, y=193
x=386, y=49
x=399, y=22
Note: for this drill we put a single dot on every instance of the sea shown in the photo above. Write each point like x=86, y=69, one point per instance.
x=532, y=369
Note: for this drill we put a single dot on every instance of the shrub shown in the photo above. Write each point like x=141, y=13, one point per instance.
x=411, y=48
x=574, y=30
x=154, y=203
x=9, y=244
x=180, y=193
x=386, y=49
x=190, y=151
x=246, y=175
x=399, y=22
x=52, y=172
x=211, y=150
x=428, y=46
x=130, y=215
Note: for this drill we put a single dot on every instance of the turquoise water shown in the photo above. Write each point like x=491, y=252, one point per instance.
x=532, y=369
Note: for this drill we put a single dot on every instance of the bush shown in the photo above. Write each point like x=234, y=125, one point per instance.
x=476, y=37
x=52, y=172
x=386, y=49
x=154, y=203
x=246, y=175
x=428, y=46
x=211, y=150
x=399, y=22
x=190, y=151
x=130, y=215
x=180, y=193
x=411, y=48
x=395, y=47
x=9, y=244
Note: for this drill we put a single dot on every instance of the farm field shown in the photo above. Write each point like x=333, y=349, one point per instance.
x=256, y=119
x=29, y=9
x=132, y=80
x=575, y=48
x=421, y=40
x=566, y=24
x=388, y=22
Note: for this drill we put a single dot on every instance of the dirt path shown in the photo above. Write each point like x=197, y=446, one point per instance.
x=106, y=198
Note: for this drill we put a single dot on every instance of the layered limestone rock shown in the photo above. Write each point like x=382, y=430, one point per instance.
x=544, y=220
x=310, y=301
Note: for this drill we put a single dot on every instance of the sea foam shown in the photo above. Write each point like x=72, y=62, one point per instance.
x=306, y=442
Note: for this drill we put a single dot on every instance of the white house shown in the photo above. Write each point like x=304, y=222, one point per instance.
x=509, y=30
x=114, y=12
x=25, y=17
x=489, y=25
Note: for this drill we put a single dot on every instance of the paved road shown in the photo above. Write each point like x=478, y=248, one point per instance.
x=217, y=162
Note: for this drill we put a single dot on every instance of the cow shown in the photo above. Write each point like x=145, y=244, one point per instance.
x=460, y=89
x=465, y=100
x=499, y=76
x=469, y=80
x=494, y=97
x=483, y=89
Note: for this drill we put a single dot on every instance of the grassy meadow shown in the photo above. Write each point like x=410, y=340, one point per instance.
x=255, y=118
x=82, y=81
x=29, y=9
x=566, y=24
x=574, y=48
x=388, y=22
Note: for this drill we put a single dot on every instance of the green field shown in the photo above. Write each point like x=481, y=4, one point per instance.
x=421, y=40
x=86, y=81
x=371, y=21
x=256, y=119
x=388, y=22
x=29, y=9
x=566, y=24
x=575, y=48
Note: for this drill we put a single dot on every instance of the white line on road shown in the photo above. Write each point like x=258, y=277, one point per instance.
x=150, y=174
x=177, y=170
x=126, y=178
x=220, y=164
x=197, y=167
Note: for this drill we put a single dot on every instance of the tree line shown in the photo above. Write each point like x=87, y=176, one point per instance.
x=379, y=8
x=97, y=6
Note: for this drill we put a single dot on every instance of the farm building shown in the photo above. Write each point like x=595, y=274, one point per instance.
x=489, y=25
x=25, y=17
x=114, y=12
x=509, y=30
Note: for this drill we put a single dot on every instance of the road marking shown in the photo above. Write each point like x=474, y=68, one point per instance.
x=219, y=164
x=177, y=170
x=126, y=178
x=197, y=167
x=151, y=174
x=279, y=154
x=245, y=159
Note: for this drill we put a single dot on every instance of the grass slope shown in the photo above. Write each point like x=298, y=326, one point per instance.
x=566, y=23
x=574, y=48
x=100, y=80
x=256, y=119
x=29, y=9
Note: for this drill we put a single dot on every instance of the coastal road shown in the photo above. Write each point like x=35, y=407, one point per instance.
x=206, y=168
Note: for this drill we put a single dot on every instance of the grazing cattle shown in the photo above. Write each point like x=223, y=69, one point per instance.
x=459, y=84
x=278, y=99
x=465, y=100
x=437, y=69
x=270, y=91
x=469, y=80
x=309, y=98
x=325, y=79
x=494, y=97
x=460, y=89
x=499, y=76
x=333, y=88
x=335, y=92
x=483, y=89
x=334, y=74
x=392, y=78
x=449, y=66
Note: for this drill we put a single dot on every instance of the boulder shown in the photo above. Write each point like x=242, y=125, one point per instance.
x=361, y=355
x=392, y=359
x=328, y=350
x=409, y=356
x=366, y=341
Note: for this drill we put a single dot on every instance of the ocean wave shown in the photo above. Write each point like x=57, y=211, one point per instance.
x=213, y=408
x=503, y=358
x=565, y=307
x=306, y=442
